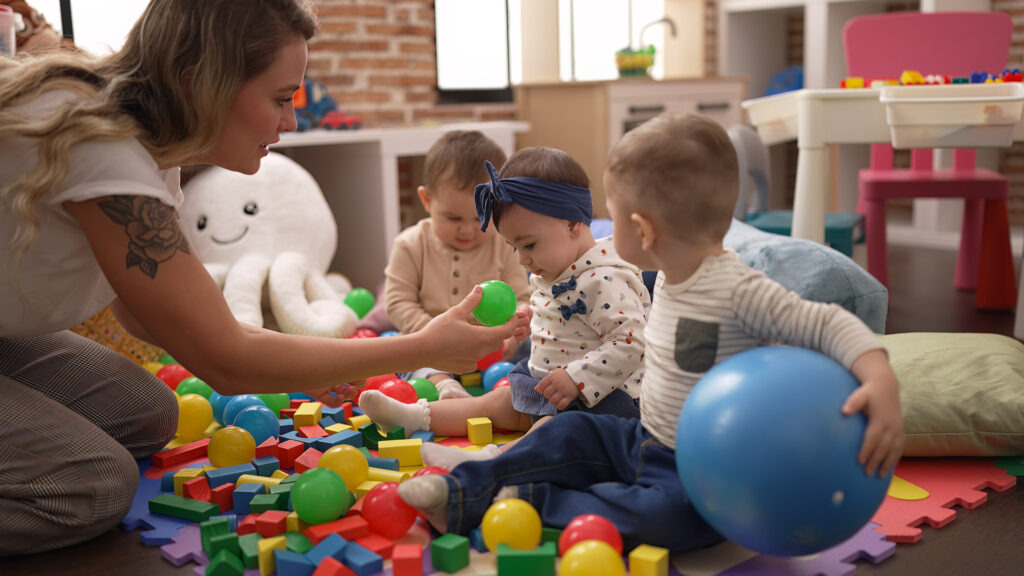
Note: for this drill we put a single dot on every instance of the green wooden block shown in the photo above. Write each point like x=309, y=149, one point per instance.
x=290, y=479
x=184, y=508
x=262, y=502
x=550, y=535
x=250, y=546
x=227, y=542
x=210, y=528
x=449, y=553
x=283, y=487
x=365, y=451
x=537, y=562
x=225, y=564
x=297, y=542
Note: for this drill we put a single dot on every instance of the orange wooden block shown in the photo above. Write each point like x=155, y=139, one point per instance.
x=351, y=528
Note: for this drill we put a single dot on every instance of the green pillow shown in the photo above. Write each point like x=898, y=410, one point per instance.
x=961, y=394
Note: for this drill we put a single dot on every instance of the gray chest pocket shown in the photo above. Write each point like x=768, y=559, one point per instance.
x=696, y=345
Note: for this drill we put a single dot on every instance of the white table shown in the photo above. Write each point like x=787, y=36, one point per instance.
x=819, y=118
x=358, y=173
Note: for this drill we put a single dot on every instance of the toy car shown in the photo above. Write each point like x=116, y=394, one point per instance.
x=338, y=120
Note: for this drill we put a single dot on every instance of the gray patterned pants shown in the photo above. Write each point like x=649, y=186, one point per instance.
x=74, y=416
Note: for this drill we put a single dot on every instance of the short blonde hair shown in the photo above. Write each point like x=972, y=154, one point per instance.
x=681, y=170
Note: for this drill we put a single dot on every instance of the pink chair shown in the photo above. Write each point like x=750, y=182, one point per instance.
x=954, y=44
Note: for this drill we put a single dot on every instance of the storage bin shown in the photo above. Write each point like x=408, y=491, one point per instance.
x=953, y=116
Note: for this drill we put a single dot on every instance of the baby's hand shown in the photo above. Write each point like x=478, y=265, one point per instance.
x=558, y=388
x=879, y=398
x=512, y=344
x=334, y=396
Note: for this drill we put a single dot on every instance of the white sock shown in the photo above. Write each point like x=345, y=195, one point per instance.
x=389, y=413
x=429, y=495
x=505, y=493
x=450, y=388
x=448, y=457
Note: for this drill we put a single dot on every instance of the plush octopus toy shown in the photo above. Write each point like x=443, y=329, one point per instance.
x=273, y=229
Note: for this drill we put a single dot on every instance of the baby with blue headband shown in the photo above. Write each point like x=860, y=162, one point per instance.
x=588, y=305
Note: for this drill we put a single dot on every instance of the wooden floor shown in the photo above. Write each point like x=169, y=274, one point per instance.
x=986, y=540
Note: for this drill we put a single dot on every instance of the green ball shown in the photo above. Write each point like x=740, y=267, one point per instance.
x=319, y=496
x=424, y=388
x=167, y=359
x=276, y=402
x=360, y=300
x=497, y=305
x=193, y=385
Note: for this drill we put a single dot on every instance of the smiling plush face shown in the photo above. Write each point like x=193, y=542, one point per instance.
x=280, y=208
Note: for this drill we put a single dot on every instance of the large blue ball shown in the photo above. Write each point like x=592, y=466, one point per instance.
x=238, y=403
x=496, y=372
x=260, y=421
x=768, y=459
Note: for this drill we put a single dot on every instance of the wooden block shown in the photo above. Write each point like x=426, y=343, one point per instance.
x=407, y=451
x=266, y=550
x=184, y=475
x=268, y=448
x=450, y=552
x=288, y=451
x=183, y=508
x=382, y=475
x=311, y=431
x=349, y=528
x=407, y=560
x=537, y=562
x=307, y=460
x=223, y=496
x=272, y=523
x=266, y=481
x=646, y=560
x=197, y=489
x=356, y=421
x=339, y=427
x=332, y=567
x=377, y=544
x=479, y=430
x=307, y=414
x=190, y=451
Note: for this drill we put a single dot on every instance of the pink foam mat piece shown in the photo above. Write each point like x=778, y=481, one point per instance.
x=949, y=482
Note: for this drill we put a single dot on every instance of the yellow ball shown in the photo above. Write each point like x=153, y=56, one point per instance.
x=194, y=416
x=231, y=446
x=513, y=522
x=153, y=367
x=348, y=462
x=592, y=558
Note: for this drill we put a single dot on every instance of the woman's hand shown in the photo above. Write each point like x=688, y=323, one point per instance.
x=460, y=342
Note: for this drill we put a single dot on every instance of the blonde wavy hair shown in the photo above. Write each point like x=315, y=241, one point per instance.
x=170, y=87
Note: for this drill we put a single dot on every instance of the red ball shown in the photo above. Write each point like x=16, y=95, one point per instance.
x=364, y=333
x=399, y=390
x=485, y=362
x=500, y=383
x=173, y=374
x=589, y=527
x=386, y=512
x=376, y=382
x=428, y=470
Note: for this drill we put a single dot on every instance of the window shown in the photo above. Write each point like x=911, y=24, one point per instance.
x=472, y=38
x=592, y=31
x=97, y=26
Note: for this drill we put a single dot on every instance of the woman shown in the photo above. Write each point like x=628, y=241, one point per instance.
x=90, y=157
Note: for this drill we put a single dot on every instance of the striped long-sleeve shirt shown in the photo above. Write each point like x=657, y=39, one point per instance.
x=724, y=308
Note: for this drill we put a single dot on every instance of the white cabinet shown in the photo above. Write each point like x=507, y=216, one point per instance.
x=586, y=118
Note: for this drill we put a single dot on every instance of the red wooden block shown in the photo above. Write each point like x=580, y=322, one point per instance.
x=268, y=448
x=313, y=431
x=197, y=489
x=272, y=523
x=351, y=528
x=223, y=496
x=296, y=402
x=307, y=460
x=356, y=509
x=407, y=560
x=377, y=544
x=288, y=451
x=181, y=454
x=288, y=413
x=247, y=525
x=331, y=567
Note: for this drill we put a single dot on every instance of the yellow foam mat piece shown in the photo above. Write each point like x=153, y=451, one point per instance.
x=900, y=489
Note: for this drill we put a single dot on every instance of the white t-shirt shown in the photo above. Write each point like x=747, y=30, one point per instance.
x=58, y=283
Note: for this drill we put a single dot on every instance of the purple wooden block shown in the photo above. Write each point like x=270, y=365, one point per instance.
x=836, y=561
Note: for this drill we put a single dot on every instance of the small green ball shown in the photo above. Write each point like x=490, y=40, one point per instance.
x=276, y=402
x=360, y=300
x=497, y=305
x=319, y=496
x=424, y=388
x=193, y=385
x=167, y=359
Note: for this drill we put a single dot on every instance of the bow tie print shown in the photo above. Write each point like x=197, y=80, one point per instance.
x=580, y=307
x=561, y=287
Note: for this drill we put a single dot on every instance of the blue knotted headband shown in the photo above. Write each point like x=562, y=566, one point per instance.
x=548, y=197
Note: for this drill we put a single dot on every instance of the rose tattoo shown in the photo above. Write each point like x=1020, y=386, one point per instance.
x=152, y=227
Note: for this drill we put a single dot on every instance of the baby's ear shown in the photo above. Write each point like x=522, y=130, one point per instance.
x=424, y=195
x=646, y=228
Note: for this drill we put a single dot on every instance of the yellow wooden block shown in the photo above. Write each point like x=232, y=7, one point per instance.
x=266, y=481
x=307, y=414
x=365, y=487
x=266, y=549
x=184, y=475
x=208, y=467
x=471, y=379
x=294, y=523
x=281, y=474
x=646, y=560
x=407, y=451
x=479, y=430
x=384, y=475
x=339, y=427
x=358, y=420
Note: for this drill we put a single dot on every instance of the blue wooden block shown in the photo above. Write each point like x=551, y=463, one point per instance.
x=476, y=539
x=385, y=463
x=425, y=435
x=333, y=546
x=357, y=411
x=243, y=495
x=286, y=425
x=293, y=435
x=231, y=518
x=266, y=465
x=220, y=476
x=350, y=437
x=329, y=411
x=362, y=561
x=167, y=481
x=327, y=421
x=290, y=563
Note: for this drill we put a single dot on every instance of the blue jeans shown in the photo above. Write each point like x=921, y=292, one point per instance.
x=581, y=463
x=526, y=400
